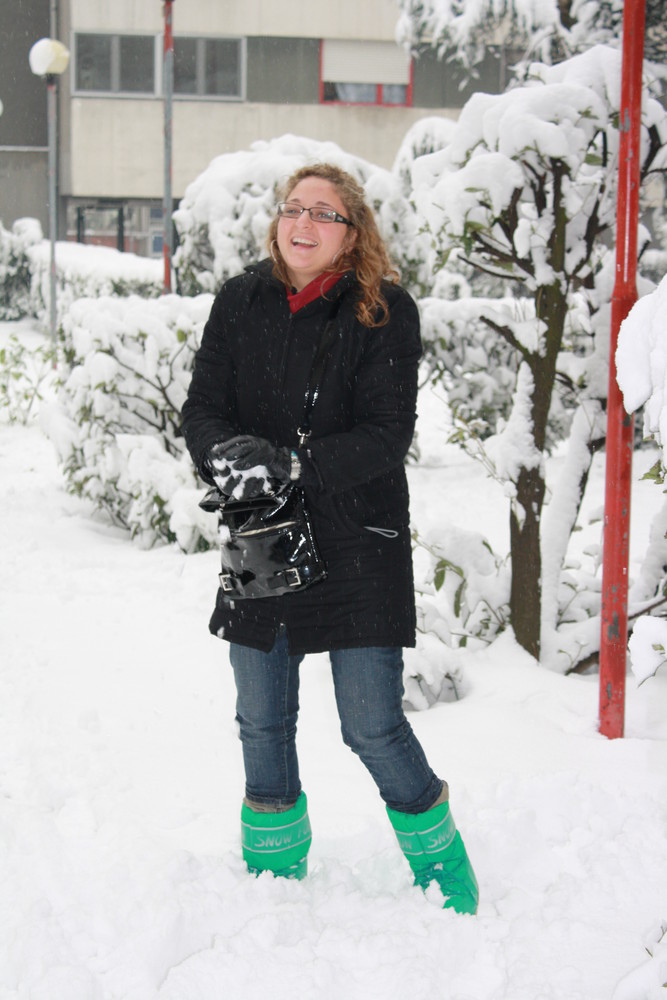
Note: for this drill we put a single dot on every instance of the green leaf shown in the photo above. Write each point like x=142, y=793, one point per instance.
x=656, y=473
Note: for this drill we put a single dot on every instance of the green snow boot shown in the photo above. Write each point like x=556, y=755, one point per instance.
x=277, y=841
x=435, y=851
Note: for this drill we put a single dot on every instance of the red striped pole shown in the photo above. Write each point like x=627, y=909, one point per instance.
x=616, y=550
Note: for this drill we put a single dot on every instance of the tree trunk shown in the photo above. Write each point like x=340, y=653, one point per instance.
x=526, y=591
x=526, y=512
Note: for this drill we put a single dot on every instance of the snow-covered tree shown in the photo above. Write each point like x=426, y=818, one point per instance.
x=525, y=190
x=548, y=30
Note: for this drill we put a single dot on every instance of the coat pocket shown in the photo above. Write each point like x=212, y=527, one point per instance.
x=380, y=507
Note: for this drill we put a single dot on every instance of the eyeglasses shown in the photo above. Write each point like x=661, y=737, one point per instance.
x=290, y=210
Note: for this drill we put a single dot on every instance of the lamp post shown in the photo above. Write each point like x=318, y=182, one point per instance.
x=49, y=58
x=168, y=86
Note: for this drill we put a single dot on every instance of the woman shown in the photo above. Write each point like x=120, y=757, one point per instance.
x=240, y=422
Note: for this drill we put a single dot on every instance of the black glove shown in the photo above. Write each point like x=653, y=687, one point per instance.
x=234, y=482
x=247, y=452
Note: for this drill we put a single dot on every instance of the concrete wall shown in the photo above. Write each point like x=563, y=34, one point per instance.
x=117, y=145
x=335, y=19
x=23, y=187
x=23, y=122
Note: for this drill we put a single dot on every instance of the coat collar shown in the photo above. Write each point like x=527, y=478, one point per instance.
x=264, y=270
x=316, y=289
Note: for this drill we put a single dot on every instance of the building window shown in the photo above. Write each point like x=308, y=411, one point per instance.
x=354, y=72
x=117, y=64
x=135, y=227
x=136, y=70
x=126, y=64
x=93, y=62
x=209, y=67
x=185, y=66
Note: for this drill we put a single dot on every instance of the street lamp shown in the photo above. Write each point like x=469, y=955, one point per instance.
x=168, y=87
x=49, y=58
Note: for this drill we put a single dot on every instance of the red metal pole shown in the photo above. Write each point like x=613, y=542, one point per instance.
x=167, y=86
x=614, y=633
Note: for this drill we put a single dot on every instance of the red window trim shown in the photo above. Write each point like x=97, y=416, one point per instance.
x=378, y=103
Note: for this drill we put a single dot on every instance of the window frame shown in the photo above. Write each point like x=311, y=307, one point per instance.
x=378, y=102
x=114, y=91
x=158, y=59
x=200, y=59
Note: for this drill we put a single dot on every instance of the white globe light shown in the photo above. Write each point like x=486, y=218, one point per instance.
x=48, y=56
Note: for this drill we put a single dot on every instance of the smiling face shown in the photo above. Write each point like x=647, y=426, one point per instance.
x=308, y=248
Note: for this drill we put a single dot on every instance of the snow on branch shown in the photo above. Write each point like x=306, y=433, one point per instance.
x=549, y=30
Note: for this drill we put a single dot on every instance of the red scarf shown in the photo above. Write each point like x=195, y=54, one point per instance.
x=313, y=290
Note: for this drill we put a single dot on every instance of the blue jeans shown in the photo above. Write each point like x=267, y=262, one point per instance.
x=368, y=683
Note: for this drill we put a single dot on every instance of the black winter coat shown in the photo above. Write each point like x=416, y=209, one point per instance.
x=250, y=377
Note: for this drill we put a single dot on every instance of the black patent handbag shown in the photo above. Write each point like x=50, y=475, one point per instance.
x=267, y=543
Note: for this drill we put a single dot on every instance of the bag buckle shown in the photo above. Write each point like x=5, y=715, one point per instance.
x=293, y=577
x=226, y=582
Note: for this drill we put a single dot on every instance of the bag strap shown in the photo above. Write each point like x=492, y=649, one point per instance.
x=317, y=371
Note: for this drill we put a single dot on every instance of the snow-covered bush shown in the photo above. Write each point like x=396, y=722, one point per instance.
x=26, y=376
x=224, y=216
x=127, y=365
x=427, y=135
x=641, y=361
x=462, y=603
x=85, y=271
x=479, y=374
x=413, y=246
x=15, y=267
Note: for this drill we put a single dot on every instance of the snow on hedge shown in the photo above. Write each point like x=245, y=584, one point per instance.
x=116, y=423
x=87, y=271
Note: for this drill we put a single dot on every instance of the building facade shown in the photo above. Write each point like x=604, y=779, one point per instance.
x=243, y=70
x=23, y=124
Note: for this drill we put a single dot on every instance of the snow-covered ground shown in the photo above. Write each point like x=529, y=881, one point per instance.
x=121, y=781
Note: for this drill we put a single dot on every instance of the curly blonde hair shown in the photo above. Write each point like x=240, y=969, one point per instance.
x=367, y=256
